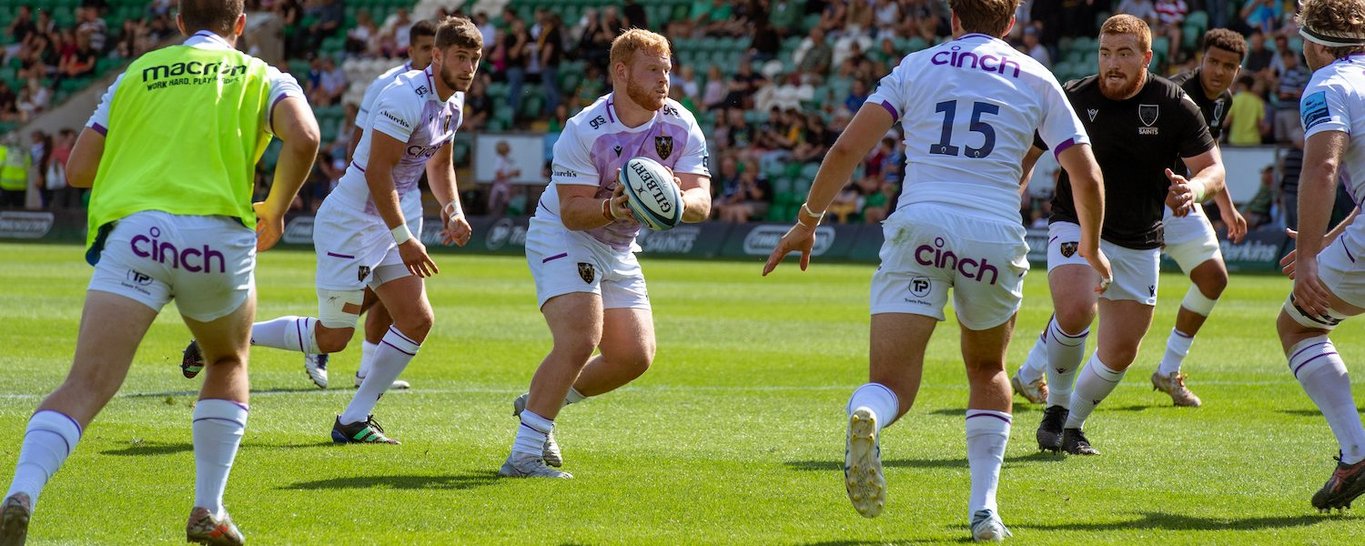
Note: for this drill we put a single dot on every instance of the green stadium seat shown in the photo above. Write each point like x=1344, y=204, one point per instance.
x=1199, y=19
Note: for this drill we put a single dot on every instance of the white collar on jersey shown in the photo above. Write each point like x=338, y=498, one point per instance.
x=205, y=37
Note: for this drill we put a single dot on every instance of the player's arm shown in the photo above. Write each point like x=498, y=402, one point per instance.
x=1087, y=194
x=1030, y=161
x=84, y=161
x=441, y=178
x=1237, y=225
x=292, y=120
x=1317, y=192
x=696, y=194
x=576, y=180
x=868, y=127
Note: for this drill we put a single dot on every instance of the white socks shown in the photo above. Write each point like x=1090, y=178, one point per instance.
x=218, y=427
x=1064, y=354
x=290, y=333
x=367, y=350
x=1096, y=382
x=987, y=433
x=879, y=399
x=393, y=355
x=531, y=434
x=51, y=436
x=1036, y=364
x=573, y=397
x=1322, y=373
x=1177, y=347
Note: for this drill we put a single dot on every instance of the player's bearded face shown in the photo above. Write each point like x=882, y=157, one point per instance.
x=458, y=66
x=1122, y=65
x=647, y=80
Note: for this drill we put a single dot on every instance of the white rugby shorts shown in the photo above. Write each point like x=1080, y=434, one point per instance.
x=1190, y=240
x=205, y=263
x=1135, y=271
x=930, y=248
x=355, y=250
x=564, y=261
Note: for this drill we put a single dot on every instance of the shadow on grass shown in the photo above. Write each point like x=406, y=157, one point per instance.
x=1180, y=522
x=832, y=465
x=1032, y=409
x=449, y=482
x=141, y=448
x=1308, y=412
x=195, y=393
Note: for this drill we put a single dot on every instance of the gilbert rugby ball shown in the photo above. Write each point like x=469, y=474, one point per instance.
x=651, y=194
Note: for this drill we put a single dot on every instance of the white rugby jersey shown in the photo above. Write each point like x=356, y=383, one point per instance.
x=282, y=85
x=408, y=110
x=372, y=92
x=1334, y=100
x=594, y=145
x=969, y=109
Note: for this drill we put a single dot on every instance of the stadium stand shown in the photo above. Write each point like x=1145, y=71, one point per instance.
x=771, y=81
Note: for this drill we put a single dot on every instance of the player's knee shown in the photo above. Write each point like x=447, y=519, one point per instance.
x=1213, y=285
x=416, y=326
x=1074, y=318
x=333, y=340
x=576, y=349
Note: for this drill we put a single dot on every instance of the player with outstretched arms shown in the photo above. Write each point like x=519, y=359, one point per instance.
x=1329, y=283
x=969, y=109
x=581, y=243
x=171, y=163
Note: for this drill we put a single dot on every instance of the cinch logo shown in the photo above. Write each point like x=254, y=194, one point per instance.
x=655, y=190
x=150, y=246
x=936, y=256
x=957, y=58
x=194, y=68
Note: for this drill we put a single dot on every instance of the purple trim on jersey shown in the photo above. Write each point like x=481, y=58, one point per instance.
x=1057, y=152
x=983, y=414
x=1305, y=363
x=973, y=35
x=1054, y=238
x=427, y=71
x=270, y=114
x=555, y=257
x=891, y=109
x=357, y=165
x=343, y=256
x=610, y=117
x=99, y=129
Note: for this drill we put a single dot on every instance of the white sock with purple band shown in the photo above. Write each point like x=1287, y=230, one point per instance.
x=1318, y=367
x=877, y=397
x=531, y=434
x=1064, y=354
x=218, y=428
x=1177, y=348
x=395, y=351
x=367, y=350
x=1035, y=365
x=50, y=438
x=289, y=333
x=1096, y=382
x=987, y=434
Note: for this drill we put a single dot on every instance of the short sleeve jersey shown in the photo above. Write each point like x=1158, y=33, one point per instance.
x=372, y=92
x=1135, y=141
x=1334, y=100
x=409, y=111
x=969, y=109
x=595, y=144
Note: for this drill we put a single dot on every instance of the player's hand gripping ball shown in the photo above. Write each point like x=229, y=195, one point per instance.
x=651, y=195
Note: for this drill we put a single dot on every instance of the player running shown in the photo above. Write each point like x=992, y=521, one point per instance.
x=970, y=108
x=1140, y=125
x=1329, y=285
x=581, y=243
x=172, y=162
x=1190, y=240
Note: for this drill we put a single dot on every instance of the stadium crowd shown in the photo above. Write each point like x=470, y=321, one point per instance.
x=773, y=105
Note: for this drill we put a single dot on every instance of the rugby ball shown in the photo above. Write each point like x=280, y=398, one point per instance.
x=651, y=194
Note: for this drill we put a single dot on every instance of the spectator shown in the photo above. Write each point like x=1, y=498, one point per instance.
x=857, y=95
x=1142, y=9
x=686, y=80
x=711, y=18
x=80, y=62
x=505, y=170
x=1291, y=163
x=90, y=25
x=399, y=26
x=784, y=16
x=1259, y=58
x=516, y=51
x=328, y=17
x=743, y=85
x=814, y=56
x=1246, y=118
x=726, y=184
x=635, y=15
x=487, y=29
x=477, y=107
x=741, y=133
x=363, y=38
x=14, y=169
x=767, y=41
x=20, y=30
x=66, y=196
x=590, y=87
x=1033, y=48
x=1170, y=15
x=550, y=44
x=594, y=44
x=291, y=15
x=1292, y=81
x=751, y=198
x=1258, y=209
x=1262, y=15
x=714, y=96
x=9, y=103
x=329, y=84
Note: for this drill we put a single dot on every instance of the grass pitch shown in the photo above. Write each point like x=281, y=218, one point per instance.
x=734, y=436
